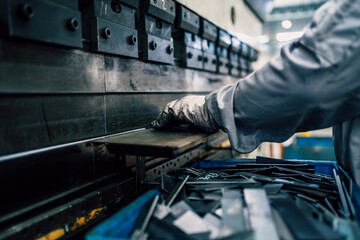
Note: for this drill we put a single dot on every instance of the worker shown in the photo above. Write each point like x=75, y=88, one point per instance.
x=313, y=84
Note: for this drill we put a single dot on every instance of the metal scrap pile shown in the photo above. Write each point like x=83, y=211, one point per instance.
x=249, y=201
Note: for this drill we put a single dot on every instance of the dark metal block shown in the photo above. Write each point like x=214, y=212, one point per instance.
x=188, y=20
x=155, y=27
x=162, y=9
x=235, y=71
x=34, y=122
x=235, y=44
x=110, y=10
x=234, y=58
x=74, y=4
x=245, y=50
x=192, y=40
x=253, y=55
x=42, y=176
x=208, y=30
x=222, y=65
x=224, y=38
x=222, y=51
x=113, y=38
x=234, y=63
x=42, y=21
x=208, y=46
x=157, y=49
x=131, y=3
x=190, y=57
x=210, y=62
x=29, y=68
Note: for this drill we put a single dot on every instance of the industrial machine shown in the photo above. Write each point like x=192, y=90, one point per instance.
x=76, y=73
x=80, y=82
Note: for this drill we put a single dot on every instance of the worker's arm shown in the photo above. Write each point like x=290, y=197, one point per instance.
x=312, y=85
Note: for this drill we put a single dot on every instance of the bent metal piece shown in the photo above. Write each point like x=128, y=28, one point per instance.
x=260, y=214
x=173, y=194
x=140, y=233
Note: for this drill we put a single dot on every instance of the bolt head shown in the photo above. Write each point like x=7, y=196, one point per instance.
x=73, y=24
x=106, y=32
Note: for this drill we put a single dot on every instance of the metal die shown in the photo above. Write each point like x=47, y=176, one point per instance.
x=188, y=20
x=110, y=10
x=192, y=40
x=155, y=27
x=253, y=55
x=234, y=63
x=162, y=9
x=62, y=25
x=222, y=65
x=190, y=57
x=235, y=44
x=243, y=66
x=157, y=49
x=113, y=38
x=74, y=4
x=208, y=46
x=208, y=30
x=222, y=51
x=224, y=38
x=131, y=3
x=245, y=50
x=210, y=61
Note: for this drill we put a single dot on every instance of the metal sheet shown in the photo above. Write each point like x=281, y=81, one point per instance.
x=156, y=143
x=295, y=219
x=260, y=214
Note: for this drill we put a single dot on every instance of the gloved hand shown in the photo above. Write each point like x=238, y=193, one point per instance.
x=189, y=109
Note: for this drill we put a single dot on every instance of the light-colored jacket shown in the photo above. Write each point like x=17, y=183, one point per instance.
x=313, y=84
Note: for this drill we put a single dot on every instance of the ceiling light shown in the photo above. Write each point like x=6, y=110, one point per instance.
x=286, y=24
